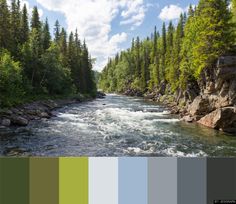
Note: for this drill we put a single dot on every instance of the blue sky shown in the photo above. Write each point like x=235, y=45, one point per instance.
x=109, y=25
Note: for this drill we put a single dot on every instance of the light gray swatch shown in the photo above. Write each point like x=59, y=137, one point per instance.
x=162, y=181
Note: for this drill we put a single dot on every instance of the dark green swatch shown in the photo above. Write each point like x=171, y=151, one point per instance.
x=14, y=181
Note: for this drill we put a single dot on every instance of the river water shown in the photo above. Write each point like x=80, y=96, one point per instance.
x=115, y=126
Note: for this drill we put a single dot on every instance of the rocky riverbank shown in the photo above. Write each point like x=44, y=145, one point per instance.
x=211, y=101
x=22, y=115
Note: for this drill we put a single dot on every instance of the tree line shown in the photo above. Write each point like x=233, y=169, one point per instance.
x=33, y=64
x=181, y=54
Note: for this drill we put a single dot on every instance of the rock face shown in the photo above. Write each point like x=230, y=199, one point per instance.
x=215, y=106
x=221, y=119
x=200, y=107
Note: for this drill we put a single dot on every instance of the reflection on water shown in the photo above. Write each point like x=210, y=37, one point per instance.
x=115, y=126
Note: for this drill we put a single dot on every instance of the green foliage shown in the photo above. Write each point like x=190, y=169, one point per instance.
x=179, y=56
x=10, y=80
x=55, y=78
x=33, y=64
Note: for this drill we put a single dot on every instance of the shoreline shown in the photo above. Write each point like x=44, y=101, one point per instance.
x=22, y=115
x=194, y=112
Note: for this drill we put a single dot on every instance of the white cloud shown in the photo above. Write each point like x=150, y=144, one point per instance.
x=29, y=9
x=93, y=19
x=134, y=14
x=171, y=12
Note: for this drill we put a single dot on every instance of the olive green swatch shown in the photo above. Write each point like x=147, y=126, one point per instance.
x=73, y=177
x=14, y=181
x=44, y=180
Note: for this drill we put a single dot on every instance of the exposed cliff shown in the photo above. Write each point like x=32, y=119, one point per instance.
x=211, y=101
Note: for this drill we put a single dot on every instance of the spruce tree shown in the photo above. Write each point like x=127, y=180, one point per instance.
x=15, y=27
x=5, y=34
x=46, y=36
x=57, y=30
x=24, y=26
x=35, y=20
x=163, y=51
x=214, y=35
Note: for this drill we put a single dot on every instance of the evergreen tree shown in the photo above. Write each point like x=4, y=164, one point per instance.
x=46, y=36
x=57, y=29
x=214, y=36
x=24, y=26
x=63, y=47
x=5, y=34
x=15, y=27
x=35, y=21
x=163, y=51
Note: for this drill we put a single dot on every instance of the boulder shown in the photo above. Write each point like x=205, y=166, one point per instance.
x=100, y=95
x=19, y=120
x=200, y=106
x=221, y=119
x=188, y=119
x=44, y=115
x=6, y=122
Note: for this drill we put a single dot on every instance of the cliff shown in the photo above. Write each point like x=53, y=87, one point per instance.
x=211, y=101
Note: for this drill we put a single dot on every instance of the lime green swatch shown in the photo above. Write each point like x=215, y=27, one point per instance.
x=44, y=181
x=73, y=177
x=14, y=181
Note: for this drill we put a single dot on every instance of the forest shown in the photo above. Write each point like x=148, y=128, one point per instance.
x=36, y=65
x=178, y=55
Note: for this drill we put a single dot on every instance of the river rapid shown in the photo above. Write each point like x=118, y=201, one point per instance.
x=115, y=126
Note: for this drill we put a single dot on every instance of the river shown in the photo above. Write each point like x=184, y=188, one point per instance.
x=115, y=126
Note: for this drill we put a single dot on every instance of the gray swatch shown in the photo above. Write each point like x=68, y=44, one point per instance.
x=192, y=180
x=221, y=179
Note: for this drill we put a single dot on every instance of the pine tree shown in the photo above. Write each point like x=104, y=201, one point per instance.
x=163, y=51
x=57, y=29
x=24, y=26
x=137, y=58
x=63, y=47
x=46, y=36
x=35, y=21
x=214, y=35
x=15, y=27
x=5, y=34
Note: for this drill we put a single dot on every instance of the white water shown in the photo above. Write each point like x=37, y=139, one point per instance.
x=117, y=126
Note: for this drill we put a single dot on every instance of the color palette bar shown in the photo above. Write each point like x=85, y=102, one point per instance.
x=117, y=180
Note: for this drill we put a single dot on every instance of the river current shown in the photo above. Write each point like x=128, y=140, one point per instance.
x=115, y=126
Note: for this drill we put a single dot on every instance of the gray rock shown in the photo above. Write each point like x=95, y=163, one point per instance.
x=200, y=106
x=44, y=115
x=19, y=120
x=6, y=122
x=188, y=119
x=221, y=119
